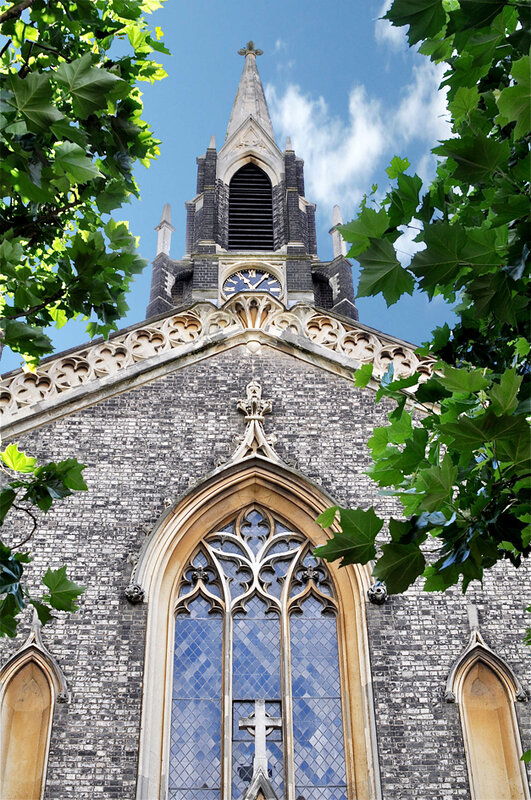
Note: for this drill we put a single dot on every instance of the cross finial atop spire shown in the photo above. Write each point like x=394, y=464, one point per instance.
x=249, y=49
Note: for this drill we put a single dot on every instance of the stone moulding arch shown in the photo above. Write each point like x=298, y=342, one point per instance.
x=240, y=161
x=483, y=735
x=25, y=743
x=207, y=506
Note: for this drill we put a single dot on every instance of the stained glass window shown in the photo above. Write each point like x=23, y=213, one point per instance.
x=249, y=589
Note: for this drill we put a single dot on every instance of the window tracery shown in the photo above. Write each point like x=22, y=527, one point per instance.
x=256, y=634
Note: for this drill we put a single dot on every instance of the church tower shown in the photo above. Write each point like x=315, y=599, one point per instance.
x=249, y=226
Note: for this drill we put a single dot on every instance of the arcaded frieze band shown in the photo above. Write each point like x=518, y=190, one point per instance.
x=175, y=332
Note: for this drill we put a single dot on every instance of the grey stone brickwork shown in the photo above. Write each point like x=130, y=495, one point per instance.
x=151, y=443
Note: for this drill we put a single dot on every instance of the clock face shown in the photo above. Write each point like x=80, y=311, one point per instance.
x=252, y=280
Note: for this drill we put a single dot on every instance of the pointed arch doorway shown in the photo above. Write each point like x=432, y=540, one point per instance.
x=235, y=600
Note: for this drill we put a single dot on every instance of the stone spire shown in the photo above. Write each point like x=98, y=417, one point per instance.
x=165, y=230
x=250, y=99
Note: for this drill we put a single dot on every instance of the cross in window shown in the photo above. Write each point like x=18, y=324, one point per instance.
x=263, y=724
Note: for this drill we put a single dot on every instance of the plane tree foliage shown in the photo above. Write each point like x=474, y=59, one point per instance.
x=456, y=449
x=71, y=133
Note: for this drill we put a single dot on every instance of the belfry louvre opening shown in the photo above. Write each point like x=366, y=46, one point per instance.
x=250, y=210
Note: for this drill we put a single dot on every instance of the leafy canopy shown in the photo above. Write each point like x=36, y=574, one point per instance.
x=460, y=463
x=71, y=131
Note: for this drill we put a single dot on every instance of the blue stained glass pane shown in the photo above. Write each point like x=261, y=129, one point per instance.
x=256, y=658
x=242, y=759
x=255, y=530
x=322, y=793
x=193, y=794
x=195, y=753
x=317, y=715
x=319, y=748
x=197, y=657
x=314, y=656
x=195, y=739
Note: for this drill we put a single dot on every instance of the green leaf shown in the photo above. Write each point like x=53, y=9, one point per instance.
x=43, y=612
x=17, y=460
x=526, y=757
x=327, y=517
x=72, y=161
x=7, y=497
x=397, y=167
x=465, y=101
x=382, y=272
x=514, y=102
x=404, y=199
x=355, y=544
x=63, y=592
x=379, y=441
x=436, y=484
x=31, y=97
x=27, y=339
x=370, y=224
x=503, y=395
x=477, y=157
x=425, y=19
x=439, y=263
x=399, y=566
x=363, y=375
x=463, y=380
x=90, y=87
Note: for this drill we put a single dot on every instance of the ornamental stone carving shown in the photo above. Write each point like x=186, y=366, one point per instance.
x=202, y=324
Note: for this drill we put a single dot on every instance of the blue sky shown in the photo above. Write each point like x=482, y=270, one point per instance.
x=342, y=84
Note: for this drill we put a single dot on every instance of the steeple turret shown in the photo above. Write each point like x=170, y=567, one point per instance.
x=249, y=226
x=250, y=98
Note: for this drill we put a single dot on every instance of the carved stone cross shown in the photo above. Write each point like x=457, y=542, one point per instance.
x=249, y=49
x=262, y=724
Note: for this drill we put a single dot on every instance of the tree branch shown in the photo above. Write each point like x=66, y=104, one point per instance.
x=16, y=10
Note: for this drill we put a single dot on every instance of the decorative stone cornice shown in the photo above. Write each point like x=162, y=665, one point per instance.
x=23, y=394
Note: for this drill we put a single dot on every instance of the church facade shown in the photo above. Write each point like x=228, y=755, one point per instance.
x=212, y=656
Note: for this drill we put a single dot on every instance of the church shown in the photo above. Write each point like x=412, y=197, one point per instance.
x=212, y=656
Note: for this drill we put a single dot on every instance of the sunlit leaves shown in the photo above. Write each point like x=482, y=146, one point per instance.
x=71, y=160
x=514, y=102
x=90, y=87
x=17, y=460
x=32, y=99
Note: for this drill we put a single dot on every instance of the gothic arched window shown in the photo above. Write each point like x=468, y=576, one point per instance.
x=250, y=210
x=256, y=670
x=246, y=633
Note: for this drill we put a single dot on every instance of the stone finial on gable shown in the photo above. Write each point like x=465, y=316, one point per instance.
x=254, y=441
x=165, y=230
x=338, y=243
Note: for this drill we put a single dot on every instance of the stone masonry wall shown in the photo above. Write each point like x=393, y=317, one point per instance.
x=151, y=443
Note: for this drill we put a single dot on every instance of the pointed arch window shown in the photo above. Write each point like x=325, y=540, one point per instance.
x=250, y=210
x=25, y=722
x=256, y=639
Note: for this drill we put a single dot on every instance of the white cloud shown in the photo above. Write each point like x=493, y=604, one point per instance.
x=386, y=34
x=280, y=44
x=422, y=110
x=339, y=156
x=342, y=154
